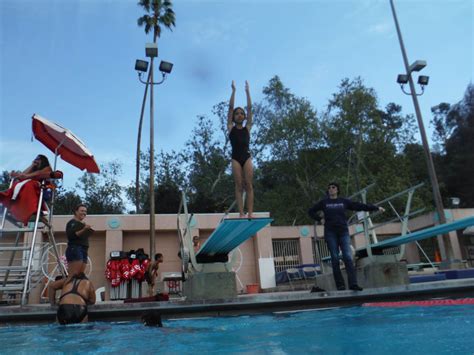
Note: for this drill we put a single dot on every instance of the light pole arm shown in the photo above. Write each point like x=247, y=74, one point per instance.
x=153, y=83
x=402, y=86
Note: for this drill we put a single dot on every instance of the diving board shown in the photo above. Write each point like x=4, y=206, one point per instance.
x=377, y=248
x=228, y=235
x=425, y=233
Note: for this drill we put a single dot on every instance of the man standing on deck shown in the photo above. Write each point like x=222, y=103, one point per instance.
x=336, y=232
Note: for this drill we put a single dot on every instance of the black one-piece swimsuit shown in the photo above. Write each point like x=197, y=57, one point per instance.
x=240, y=140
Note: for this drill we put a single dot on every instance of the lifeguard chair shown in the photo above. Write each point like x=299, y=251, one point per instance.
x=21, y=273
x=209, y=272
x=22, y=246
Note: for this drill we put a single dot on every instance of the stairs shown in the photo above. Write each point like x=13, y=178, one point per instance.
x=21, y=255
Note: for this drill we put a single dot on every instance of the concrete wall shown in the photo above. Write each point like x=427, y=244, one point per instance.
x=126, y=232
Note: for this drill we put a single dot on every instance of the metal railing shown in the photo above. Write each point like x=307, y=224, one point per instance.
x=286, y=253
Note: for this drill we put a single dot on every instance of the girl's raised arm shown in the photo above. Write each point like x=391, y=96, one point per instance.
x=230, y=114
x=249, y=106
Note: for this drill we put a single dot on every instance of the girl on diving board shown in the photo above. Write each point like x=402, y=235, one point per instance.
x=239, y=136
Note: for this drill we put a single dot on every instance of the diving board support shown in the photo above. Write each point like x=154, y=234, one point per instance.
x=365, y=221
x=209, y=271
x=404, y=220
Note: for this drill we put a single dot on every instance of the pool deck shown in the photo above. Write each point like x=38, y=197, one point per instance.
x=248, y=304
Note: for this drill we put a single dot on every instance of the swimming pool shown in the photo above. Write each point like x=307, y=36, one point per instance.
x=355, y=330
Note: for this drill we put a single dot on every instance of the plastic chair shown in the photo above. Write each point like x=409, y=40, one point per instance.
x=293, y=275
x=100, y=294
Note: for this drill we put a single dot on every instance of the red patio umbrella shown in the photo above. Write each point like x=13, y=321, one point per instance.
x=64, y=143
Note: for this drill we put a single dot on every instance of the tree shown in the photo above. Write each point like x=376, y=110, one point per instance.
x=454, y=129
x=354, y=142
x=65, y=201
x=158, y=13
x=4, y=180
x=377, y=136
x=210, y=187
x=103, y=193
x=172, y=179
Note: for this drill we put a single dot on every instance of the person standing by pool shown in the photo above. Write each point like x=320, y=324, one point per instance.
x=77, y=292
x=239, y=136
x=152, y=273
x=196, y=244
x=336, y=232
x=78, y=234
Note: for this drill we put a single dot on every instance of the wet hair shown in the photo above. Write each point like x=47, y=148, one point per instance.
x=152, y=319
x=44, y=162
x=334, y=184
x=235, y=110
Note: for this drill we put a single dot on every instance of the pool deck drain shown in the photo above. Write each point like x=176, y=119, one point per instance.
x=248, y=304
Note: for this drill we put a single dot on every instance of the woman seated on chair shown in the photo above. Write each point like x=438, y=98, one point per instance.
x=21, y=199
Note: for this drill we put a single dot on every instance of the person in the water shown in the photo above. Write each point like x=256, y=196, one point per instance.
x=77, y=292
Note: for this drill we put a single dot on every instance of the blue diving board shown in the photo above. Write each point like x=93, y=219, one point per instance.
x=421, y=234
x=425, y=233
x=228, y=235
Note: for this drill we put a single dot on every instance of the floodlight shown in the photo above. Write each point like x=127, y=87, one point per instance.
x=402, y=78
x=166, y=67
x=423, y=80
x=141, y=65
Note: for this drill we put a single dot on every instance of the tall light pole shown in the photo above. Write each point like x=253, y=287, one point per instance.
x=444, y=242
x=151, y=51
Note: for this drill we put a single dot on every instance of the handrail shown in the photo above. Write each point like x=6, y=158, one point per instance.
x=413, y=188
x=378, y=225
x=360, y=192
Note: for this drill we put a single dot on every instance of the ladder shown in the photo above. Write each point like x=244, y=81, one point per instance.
x=21, y=251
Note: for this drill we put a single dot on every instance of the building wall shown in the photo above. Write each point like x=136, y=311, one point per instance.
x=130, y=232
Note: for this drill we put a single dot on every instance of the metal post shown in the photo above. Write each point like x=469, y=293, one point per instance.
x=152, y=167
x=444, y=242
x=32, y=250
x=137, y=168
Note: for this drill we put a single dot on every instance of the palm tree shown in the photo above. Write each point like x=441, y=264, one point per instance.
x=158, y=13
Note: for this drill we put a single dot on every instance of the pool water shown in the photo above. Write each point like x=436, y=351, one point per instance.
x=355, y=330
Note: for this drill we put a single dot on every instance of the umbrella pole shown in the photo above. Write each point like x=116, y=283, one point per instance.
x=53, y=195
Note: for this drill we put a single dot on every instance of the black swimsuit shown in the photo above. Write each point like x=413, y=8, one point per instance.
x=72, y=313
x=240, y=140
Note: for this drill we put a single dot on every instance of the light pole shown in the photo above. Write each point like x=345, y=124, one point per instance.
x=151, y=51
x=444, y=242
